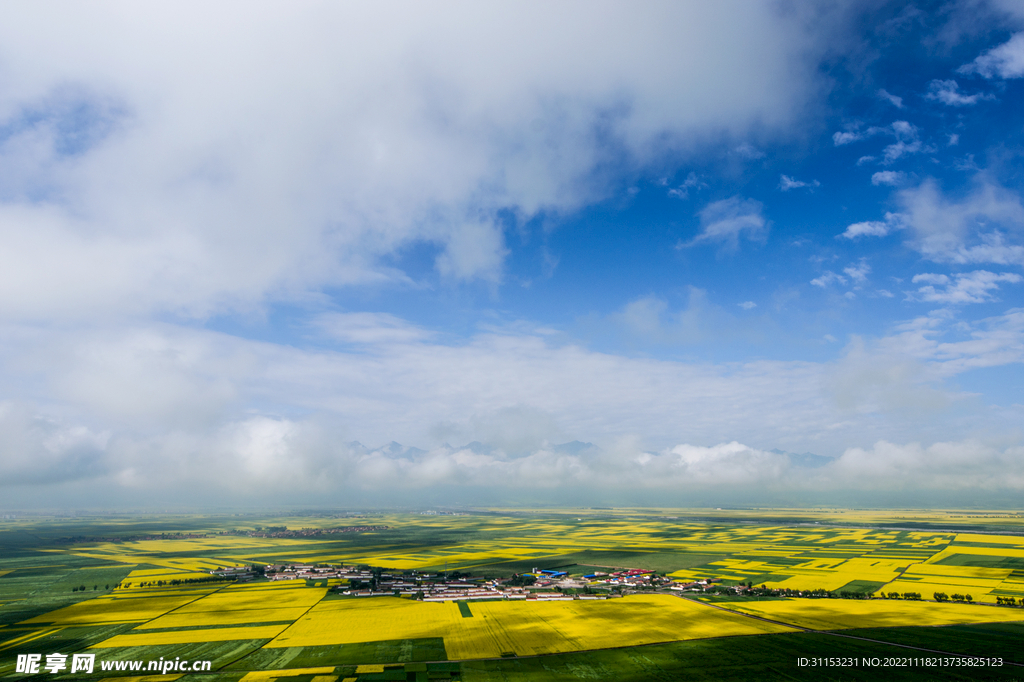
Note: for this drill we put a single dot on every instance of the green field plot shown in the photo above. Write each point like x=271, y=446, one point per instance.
x=385, y=652
x=989, y=639
x=861, y=586
x=766, y=657
x=982, y=561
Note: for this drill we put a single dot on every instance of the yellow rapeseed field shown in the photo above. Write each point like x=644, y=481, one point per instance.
x=525, y=628
x=839, y=614
x=190, y=636
x=180, y=619
x=268, y=675
x=243, y=599
x=114, y=610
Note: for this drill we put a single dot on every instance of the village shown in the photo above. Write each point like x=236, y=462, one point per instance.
x=537, y=585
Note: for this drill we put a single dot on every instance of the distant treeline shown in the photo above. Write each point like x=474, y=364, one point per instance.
x=130, y=538
x=179, y=581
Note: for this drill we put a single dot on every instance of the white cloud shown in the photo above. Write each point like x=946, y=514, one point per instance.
x=747, y=305
x=962, y=288
x=858, y=272
x=873, y=228
x=726, y=220
x=907, y=142
x=965, y=230
x=948, y=92
x=1004, y=61
x=954, y=140
x=196, y=410
x=947, y=466
x=683, y=191
x=892, y=99
x=906, y=134
x=828, y=278
x=787, y=183
x=43, y=451
x=295, y=148
x=372, y=328
x=972, y=229
x=846, y=137
x=893, y=178
x=749, y=151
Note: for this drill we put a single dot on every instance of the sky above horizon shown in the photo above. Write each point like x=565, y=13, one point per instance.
x=239, y=238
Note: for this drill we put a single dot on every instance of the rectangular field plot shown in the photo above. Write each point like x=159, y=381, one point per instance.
x=244, y=598
x=228, y=617
x=498, y=628
x=379, y=652
x=115, y=609
x=841, y=614
x=136, y=638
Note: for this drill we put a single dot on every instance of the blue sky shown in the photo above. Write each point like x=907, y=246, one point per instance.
x=697, y=237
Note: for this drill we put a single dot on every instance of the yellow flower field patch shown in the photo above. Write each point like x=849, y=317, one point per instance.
x=840, y=614
x=180, y=619
x=268, y=675
x=114, y=610
x=190, y=636
x=525, y=628
x=244, y=599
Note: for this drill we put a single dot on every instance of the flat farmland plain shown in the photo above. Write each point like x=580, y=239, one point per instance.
x=126, y=588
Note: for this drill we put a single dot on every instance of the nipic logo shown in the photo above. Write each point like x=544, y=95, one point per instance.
x=31, y=664
x=55, y=663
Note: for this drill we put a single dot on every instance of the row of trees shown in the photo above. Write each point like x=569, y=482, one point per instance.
x=177, y=581
x=1008, y=601
x=942, y=596
x=82, y=588
x=913, y=596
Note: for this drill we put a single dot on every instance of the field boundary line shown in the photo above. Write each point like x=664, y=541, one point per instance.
x=259, y=648
x=840, y=634
x=31, y=637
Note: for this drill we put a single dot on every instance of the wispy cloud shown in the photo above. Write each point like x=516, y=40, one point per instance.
x=892, y=178
x=961, y=288
x=725, y=221
x=907, y=140
x=787, y=183
x=891, y=99
x=1004, y=61
x=858, y=272
x=948, y=92
x=873, y=228
x=683, y=191
x=828, y=278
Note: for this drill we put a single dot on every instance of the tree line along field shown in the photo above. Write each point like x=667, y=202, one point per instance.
x=139, y=588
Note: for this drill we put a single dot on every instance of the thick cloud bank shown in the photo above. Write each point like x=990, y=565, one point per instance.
x=217, y=222
x=153, y=160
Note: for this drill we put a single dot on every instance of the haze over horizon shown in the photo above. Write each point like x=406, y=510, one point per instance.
x=698, y=236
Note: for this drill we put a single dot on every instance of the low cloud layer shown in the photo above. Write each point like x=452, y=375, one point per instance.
x=170, y=408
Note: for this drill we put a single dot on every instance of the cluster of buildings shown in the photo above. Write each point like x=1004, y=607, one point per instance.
x=699, y=585
x=548, y=585
x=314, y=572
x=632, y=577
x=282, y=532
